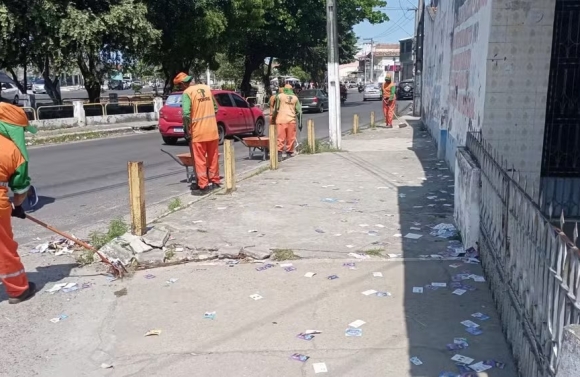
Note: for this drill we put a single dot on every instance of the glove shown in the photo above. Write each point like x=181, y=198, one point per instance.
x=186, y=126
x=18, y=211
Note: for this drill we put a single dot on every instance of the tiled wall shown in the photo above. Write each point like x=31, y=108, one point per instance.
x=518, y=64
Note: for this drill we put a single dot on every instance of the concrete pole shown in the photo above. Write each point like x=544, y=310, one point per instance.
x=569, y=353
x=372, y=61
x=208, y=76
x=334, y=126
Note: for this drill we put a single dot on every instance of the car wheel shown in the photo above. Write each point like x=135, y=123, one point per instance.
x=169, y=140
x=221, y=133
x=16, y=100
x=259, y=127
x=321, y=108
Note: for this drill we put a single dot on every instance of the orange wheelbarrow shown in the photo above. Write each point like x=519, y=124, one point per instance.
x=255, y=144
x=185, y=160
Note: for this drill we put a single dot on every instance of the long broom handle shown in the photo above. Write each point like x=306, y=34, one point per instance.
x=68, y=237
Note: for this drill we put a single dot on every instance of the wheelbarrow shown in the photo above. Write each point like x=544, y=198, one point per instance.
x=255, y=144
x=185, y=160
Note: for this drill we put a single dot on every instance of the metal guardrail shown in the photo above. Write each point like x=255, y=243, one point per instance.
x=533, y=267
x=54, y=108
x=94, y=109
x=30, y=110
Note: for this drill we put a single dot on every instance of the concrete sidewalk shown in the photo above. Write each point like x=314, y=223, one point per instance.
x=320, y=207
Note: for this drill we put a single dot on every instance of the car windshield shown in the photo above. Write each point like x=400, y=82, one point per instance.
x=40, y=81
x=308, y=93
x=372, y=86
x=174, y=99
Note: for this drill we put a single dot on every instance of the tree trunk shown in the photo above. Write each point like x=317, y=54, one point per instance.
x=93, y=91
x=251, y=63
x=91, y=78
x=266, y=78
x=51, y=85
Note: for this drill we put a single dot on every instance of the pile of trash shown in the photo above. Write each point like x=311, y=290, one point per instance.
x=56, y=246
x=444, y=231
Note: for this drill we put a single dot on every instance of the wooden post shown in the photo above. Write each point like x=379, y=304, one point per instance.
x=229, y=165
x=311, y=136
x=137, y=197
x=373, y=119
x=273, y=140
x=355, y=124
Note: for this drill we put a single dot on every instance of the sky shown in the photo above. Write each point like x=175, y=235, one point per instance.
x=401, y=24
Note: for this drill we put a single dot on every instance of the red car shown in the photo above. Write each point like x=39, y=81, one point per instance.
x=235, y=116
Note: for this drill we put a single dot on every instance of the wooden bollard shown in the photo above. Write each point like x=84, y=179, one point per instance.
x=230, y=165
x=355, y=124
x=273, y=146
x=373, y=119
x=137, y=197
x=311, y=136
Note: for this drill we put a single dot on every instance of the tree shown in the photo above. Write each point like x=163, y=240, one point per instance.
x=104, y=34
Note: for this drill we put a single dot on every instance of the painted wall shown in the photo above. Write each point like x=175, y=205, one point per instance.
x=518, y=64
x=455, y=53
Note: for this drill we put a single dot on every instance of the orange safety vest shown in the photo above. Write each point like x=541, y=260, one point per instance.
x=203, y=119
x=287, y=109
x=10, y=160
x=387, y=90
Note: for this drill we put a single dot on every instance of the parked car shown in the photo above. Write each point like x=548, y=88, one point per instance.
x=405, y=89
x=10, y=92
x=351, y=84
x=38, y=87
x=235, y=116
x=313, y=100
x=372, y=92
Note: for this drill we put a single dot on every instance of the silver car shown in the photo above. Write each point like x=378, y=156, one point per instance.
x=38, y=87
x=371, y=92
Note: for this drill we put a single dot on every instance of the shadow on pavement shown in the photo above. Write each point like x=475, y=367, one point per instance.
x=45, y=275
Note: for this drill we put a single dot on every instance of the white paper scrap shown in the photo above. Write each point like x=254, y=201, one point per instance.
x=417, y=289
x=363, y=225
x=319, y=368
x=369, y=292
x=56, y=287
x=462, y=359
x=256, y=297
x=356, y=324
x=309, y=274
x=395, y=255
x=441, y=285
x=414, y=228
x=468, y=323
x=284, y=265
x=413, y=236
x=398, y=235
x=480, y=367
x=415, y=360
x=377, y=274
x=459, y=292
x=350, y=246
x=379, y=225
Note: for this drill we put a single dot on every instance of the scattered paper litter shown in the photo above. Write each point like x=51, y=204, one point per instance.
x=358, y=255
x=398, y=235
x=455, y=265
x=256, y=297
x=153, y=332
x=59, y=318
x=197, y=221
x=395, y=255
x=350, y=246
x=284, y=265
x=252, y=231
x=415, y=228
x=299, y=357
x=319, y=368
x=441, y=285
x=363, y=225
x=369, y=292
x=432, y=197
x=462, y=359
x=172, y=281
x=313, y=332
x=480, y=367
x=474, y=330
x=379, y=225
x=377, y=274
x=209, y=315
x=356, y=324
x=353, y=332
x=57, y=287
x=417, y=207
x=479, y=279
x=278, y=206
x=444, y=230
x=468, y=323
x=309, y=274
x=480, y=316
x=415, y=360
x=459, y=292
x=382, y=188
x=413, y=236
x=221, y=208
x=106, y=366
x=417, y=289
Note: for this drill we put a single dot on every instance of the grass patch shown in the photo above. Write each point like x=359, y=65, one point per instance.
x=85, y=258
x=174, y=204
x=117, y=227
x=283, y=254
x=319, y=147
x=377, y=252
x=169, y=253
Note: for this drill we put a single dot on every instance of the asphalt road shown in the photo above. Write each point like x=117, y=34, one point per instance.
x=83, y=185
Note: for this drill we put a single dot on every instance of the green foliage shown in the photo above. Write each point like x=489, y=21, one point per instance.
x=116, y=228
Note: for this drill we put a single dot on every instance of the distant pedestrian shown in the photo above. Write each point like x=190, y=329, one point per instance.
x=388, y=96
x=200, y=124
x=288, y=115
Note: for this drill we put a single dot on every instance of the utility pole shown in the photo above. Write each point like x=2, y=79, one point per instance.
x=372, y=59
x=418, y=49
x=208, y=77
x=334, y=126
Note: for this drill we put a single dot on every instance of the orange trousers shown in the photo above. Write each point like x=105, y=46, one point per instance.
x=389, y=111
x=12, y=271
x=286, y=136
x=206, y=160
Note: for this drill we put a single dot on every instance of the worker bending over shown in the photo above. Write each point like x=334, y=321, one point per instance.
x=287, y=114
x=199, y=122
x=13, y=176
x=388, y=95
